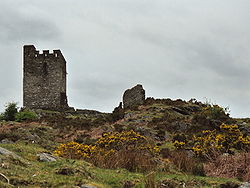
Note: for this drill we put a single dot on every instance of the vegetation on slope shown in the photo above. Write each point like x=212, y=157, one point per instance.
x=163, y=143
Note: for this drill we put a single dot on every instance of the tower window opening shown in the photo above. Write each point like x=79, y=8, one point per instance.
x=45, y=68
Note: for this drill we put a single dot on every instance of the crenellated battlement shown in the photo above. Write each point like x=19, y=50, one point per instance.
x=33, y=52
x=46, y=53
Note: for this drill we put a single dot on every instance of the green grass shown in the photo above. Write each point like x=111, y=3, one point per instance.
x=201, y=181
x=36, y=173
x=115, y=178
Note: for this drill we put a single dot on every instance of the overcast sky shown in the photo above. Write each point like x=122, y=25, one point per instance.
x=174, y=48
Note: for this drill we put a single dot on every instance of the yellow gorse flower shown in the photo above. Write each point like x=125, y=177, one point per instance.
x=107, y=145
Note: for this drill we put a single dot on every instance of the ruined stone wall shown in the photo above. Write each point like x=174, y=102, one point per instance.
x=44, y=79
x=133, y=97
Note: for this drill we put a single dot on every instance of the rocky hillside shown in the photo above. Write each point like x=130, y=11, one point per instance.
x=160, y=143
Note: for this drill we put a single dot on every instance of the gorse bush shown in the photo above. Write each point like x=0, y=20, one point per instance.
x=215, y=112
x=127, y=140
x=211, y=114
x=226, y=140
x=74, y=150
x=180, y=140
x=211, y=143
x=127, y=149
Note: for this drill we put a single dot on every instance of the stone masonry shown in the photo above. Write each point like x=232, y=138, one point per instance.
x=44, y=79
x=133, y=97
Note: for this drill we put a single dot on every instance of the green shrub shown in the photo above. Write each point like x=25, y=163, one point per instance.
x=25, y=115
x=1, y=117
x=213, y=116
x=10, y=112
x=216, y=112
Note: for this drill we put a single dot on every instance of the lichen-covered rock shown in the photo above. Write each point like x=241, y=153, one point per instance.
x=133, y=97
x=46, y=157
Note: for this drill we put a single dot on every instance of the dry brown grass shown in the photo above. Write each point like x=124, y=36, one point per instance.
x=230, y=166
x=132, y=160
x=186, y=162
x=150, y=181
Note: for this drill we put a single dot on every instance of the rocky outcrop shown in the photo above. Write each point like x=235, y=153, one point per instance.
x=133, y=97
x=6, y=154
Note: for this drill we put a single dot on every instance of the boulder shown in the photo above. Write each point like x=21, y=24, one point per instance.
x=133, y=97
x=46, y=157
x=88, y=186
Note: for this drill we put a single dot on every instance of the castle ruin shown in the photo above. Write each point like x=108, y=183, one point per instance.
x=133, y=97
x=44, y=82
x=44, y=79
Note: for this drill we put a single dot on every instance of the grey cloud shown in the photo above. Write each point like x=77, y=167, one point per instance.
x=218, y=59
x=17, y=26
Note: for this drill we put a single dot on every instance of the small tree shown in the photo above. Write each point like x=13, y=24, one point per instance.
x=10, y=112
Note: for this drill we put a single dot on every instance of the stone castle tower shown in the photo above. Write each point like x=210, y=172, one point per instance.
x=44, y=79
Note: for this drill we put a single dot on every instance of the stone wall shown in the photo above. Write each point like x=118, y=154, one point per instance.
x=44, y=79
x=133, y=97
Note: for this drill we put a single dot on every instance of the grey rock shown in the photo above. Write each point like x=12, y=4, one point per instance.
x=4, y=151
x=88, y=186
x=46, y=157
x=6, y=141
x=245, y=129
x=32, y=137
x=245, y=185
x=133, y=97
x=182, y=126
